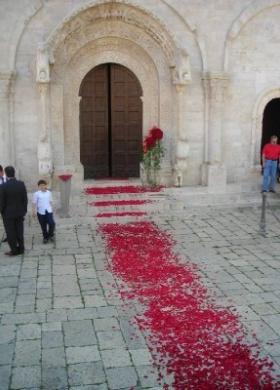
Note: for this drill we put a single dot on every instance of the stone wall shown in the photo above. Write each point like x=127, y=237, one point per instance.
x=207, y=69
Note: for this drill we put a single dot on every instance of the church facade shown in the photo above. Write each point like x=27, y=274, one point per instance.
x=82, y=82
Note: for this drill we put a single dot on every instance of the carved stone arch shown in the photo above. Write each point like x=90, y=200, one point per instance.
x=105, y=50
x=114, y=32
x=96, y=10
x=257, y=116
x=246, y=15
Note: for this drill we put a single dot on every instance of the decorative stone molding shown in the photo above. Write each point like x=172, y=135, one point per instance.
x=93, y=12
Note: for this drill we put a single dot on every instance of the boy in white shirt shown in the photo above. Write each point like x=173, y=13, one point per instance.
x=42, y=205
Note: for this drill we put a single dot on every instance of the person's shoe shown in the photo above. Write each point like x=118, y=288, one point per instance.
x=45, y=241
x=5, y=239
x=11, y=253
x=263, y=191
x=51, y=239
x=272, y=191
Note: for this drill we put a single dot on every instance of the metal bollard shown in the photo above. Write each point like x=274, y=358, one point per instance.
x=263, y=216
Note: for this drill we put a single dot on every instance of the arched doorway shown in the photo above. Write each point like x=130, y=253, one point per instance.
x=271, y=121
x=110, y=122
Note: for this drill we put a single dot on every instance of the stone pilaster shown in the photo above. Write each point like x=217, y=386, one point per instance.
x=181, y=77
x=44, y=151
x=214, y=170
x=6, y=155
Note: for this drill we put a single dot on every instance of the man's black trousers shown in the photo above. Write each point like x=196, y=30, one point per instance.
x=14, y=231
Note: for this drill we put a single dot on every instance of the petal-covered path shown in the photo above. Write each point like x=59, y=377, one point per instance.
x=201, y=345
x=141, y=291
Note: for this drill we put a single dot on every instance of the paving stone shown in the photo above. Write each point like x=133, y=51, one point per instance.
x=122, y=377
x=6, y=354
x=7, y=333
x=264, y=308
x=82, y=354
x=5, y=372
x=29, y=332
x=68, y=302
x=102, y=324
x=273, y=321
x=57, y=315
x=148, y=376
x=79, y=333
x=106, y=312
x=82, y=314
x=86, y=374
x=51, y=326
x=90, y=387
x=54, y=378
x=28, y=353
x=26, y=377
x=94, y=301
x=23, y=318
x=109, y=340
x=52, y=339
x=53, y=357
x=141, y=357
x=117, y=357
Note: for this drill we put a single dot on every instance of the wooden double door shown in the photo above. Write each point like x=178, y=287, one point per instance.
x=110, y=122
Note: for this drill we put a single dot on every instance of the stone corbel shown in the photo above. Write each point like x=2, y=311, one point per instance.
x=180, y=69
x=43, y=61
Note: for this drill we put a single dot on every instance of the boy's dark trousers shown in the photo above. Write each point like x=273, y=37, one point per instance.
x=47, y=224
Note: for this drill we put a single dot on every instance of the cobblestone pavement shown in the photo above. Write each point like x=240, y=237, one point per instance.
x=63, y=324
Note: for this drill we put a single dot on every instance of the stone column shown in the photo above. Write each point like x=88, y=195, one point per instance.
x=181, y=77
x=6, y=150
x=214, y=170
x=182, y=144
x=44, y=152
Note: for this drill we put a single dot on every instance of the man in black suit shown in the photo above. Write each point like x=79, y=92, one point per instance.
x=13, y=207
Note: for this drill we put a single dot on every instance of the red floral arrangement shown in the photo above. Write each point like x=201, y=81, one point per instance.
x=153, y=150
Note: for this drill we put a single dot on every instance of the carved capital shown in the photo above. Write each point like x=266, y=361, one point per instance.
x=215, y=84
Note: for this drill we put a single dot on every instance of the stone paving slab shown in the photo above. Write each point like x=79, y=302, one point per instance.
x=64, y=326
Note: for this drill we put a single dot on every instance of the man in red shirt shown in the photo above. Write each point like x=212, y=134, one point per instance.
x=270, y=160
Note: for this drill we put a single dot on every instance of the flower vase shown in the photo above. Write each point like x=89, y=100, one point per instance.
x=153, y=177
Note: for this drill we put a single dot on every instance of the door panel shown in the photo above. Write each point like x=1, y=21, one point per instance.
x=126, y=122
x=94, y=123
x=110, y=122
